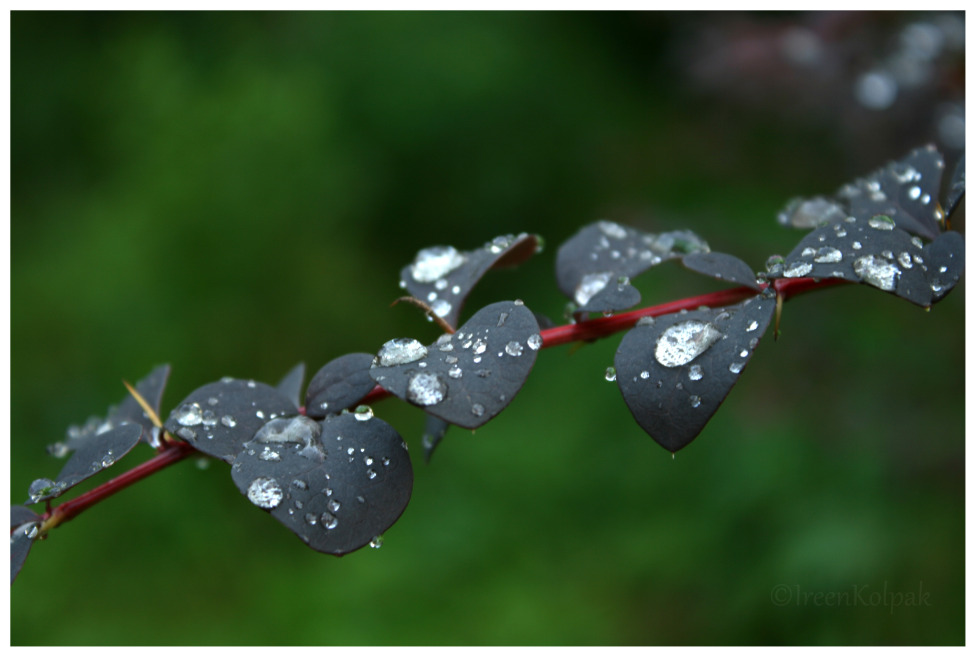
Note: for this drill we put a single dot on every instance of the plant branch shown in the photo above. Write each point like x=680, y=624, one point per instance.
x=172, y=453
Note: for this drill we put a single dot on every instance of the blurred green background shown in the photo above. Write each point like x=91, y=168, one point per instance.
x=233, y=193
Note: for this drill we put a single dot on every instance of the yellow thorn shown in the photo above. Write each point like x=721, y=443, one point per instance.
x=150, y=413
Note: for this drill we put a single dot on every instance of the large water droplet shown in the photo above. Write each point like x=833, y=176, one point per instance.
x=329, y=521
x=477, y=410
x=426, y=389
x=513, y=348
x=298, y=429
x=681, y=343
x=265, y=492
x=590, y=286
x=798, y=269
x=363, y=413
x=400, y=351
x=189, y=415
x=881, y=222
x=376, y=542
x=612, y=229
x=534, y=341
x=828, y=254
x=877, y=272
x=435, y=262
x=41, y=488
x=610, y=374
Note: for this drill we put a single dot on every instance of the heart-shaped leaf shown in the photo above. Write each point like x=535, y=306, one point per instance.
x=874, y=251
x=220, y=417
x=601, y=255
x=20, y=515
x=337, y=483
x=290, y=385
x=442, y=276
x=906, y=190
x=339, y=384
x=674, y=372
x=92, y=454
x=722, y=266
x=466, y=378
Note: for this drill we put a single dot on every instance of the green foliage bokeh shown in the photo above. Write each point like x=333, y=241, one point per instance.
x=234, y=193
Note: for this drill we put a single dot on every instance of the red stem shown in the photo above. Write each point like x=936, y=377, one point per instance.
x=172, y=453
x=588, y=330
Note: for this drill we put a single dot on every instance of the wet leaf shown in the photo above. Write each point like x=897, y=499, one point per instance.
x=290, y=385
x=674, y=372
x=336, y=483
x=21, y=540
x=220, y=417
x=20, y=515
x=92, y=454
x=722, y=266
x=906, y=190
x=149, y=387
x=442, y=276
x=339, y=384
x=866, y=250
x=944, y=261
x=591, y=265
x=466, y=378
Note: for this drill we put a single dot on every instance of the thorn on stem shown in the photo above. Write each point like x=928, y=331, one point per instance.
x=447, y=328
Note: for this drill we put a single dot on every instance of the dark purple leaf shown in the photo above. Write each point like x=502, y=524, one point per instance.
x=220, y=417
x=864, y=250
x=722, y=266
x=20, y=515
x=944, y=260
x=469, y=377
x=21, y=540
x=957, y=187
x=92, y=454
x=442, y=276
x=434, y=432
x=675, y=371
x=337, y=483
x=604, y=253
x=339, y=384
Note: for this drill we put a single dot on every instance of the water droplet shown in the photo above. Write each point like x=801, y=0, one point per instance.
x=228, y=421
x=774, y=264
x=881, y=222
x=612, y=229
x=590, y=286
x=828, y=254
x=798, y=269
x=298, y=429
x=681, y=343
x=268, y=454
x=400, y=351
x=610, y=374
x=435, y=262
x=695, y=401
x=753, y=325
x=441, y=308
x=311, y=518
x=856, y=245
x=695, y=373
x=376, y=542
x=186, y=433
x=645, y=321
x=426, y=389
x=41, y=488
x=371, y=474
x=513, y=348
x=329, y=521
x=189, y=415
x=534, y=341
x=905, y=260
x=363, y=413
x=477, y=410
x=265, y=492
x=735, y=368
x=479, y=346
x=333, y=506
x=454, y=372
x=877, y=272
